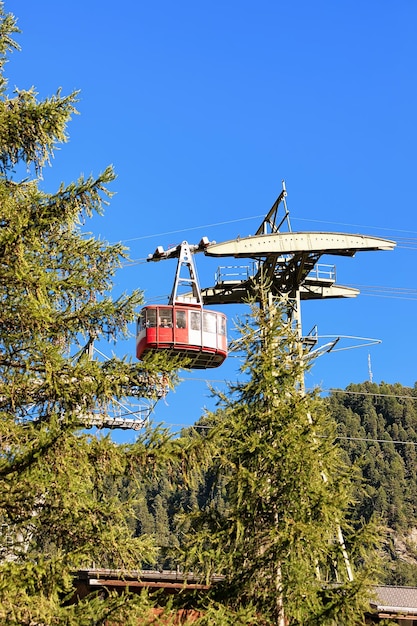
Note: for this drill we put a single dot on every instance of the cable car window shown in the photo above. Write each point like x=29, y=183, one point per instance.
x=165, y=318
x=209, y=322
x=195, y=320
x=180, y=319
x=222, y=324
x=151, y=318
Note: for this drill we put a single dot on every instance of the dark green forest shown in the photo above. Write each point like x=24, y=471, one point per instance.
x=377, y=426
x=377, y=430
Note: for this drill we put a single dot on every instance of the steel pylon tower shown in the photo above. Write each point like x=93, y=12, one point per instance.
x=288, y=262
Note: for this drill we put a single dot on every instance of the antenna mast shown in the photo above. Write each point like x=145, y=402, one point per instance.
x=370, y=368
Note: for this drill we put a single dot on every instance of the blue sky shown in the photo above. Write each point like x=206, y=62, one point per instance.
x=204, y=107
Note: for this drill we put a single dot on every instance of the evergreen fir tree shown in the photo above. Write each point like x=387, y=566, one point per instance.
x=278, y=541
x=58, y=509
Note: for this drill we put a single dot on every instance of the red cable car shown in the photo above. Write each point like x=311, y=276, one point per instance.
x=183, y=328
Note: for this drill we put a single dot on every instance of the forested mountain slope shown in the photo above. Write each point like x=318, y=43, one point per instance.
x=377, y=427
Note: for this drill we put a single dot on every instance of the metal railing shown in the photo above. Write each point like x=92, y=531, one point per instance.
x=240, y=273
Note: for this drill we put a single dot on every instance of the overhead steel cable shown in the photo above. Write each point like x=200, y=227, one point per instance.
x=253, y=217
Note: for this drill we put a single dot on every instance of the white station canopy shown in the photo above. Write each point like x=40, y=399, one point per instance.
x=298, y=242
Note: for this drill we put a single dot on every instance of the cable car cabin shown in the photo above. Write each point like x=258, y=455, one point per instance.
x=183, y=330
